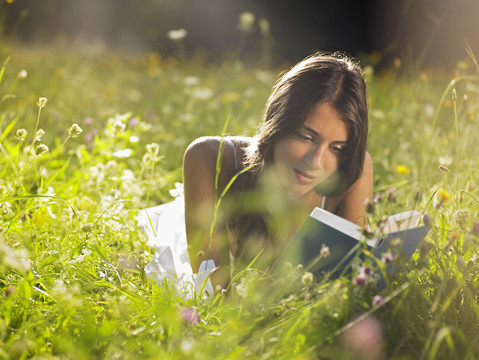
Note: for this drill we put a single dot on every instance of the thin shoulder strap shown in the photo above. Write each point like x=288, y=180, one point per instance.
x=232, y=144
x=323, y=202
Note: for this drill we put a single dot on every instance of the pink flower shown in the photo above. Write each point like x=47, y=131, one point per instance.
x=133, y=121
x=387, y=258
x=88, y=121
x=360, y=279
x=378, y=299
x=367, y=270
x=190, y=316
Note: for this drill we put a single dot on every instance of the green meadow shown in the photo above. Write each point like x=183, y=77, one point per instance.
x=77, y=162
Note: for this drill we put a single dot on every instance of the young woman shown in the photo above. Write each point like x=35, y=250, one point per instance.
x=310, y=151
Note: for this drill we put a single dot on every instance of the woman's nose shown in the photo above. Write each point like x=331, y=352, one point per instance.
x=316, y=157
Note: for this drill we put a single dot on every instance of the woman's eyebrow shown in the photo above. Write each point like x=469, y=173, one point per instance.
x=307, y=128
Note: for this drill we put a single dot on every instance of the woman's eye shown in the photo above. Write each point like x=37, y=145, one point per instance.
x=337, y=148
x=304, y=137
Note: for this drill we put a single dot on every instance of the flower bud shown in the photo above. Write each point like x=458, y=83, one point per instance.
x=74, y=131
x=41, y=149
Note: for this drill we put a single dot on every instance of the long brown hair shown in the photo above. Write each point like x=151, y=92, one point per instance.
x=320, y=78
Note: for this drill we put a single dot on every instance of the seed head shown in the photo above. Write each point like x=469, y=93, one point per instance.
x=246, y=21
x=443, y=169
x=41, y=149
x=324, y=251
x=21, y=134
x=39, y=135
x=74, y=131
x=307, y=279
x=153, y=149
x=22, y=74
x=42, y=102
x=461, y=217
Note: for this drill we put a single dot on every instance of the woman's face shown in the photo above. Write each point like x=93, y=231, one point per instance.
x=313, y=153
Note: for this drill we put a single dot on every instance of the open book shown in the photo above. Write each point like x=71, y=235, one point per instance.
x=326, y=242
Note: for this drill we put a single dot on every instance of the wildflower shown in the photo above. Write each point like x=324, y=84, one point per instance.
x=22, y=74
x=378, y=299
x=445, y=160
x=42, y=102
x=118, y=126
x=387, y=258
x=365, y=339
x=149, y=160
x=307, y=279
x=74, y=131
x=264, y=26
x=177, y=35
x=88, y=227
x=246, y=21
x=475, y=229
x=21, y=134
x=444, y=195
x=360, y=279
x=39, y=135
x=397, y=62
x=10, y=290
x=123, y=153
x=461, y=216
x=178, y=190
x=202, y=93
x=88, y=121
x=191, y=80
x=324, y=251
x=369, y=206
x=153, y=149
x=133, y=121
x=443, y=169
x=402, y=170
x=426, y=219
x=41, y=149
x=367, y=270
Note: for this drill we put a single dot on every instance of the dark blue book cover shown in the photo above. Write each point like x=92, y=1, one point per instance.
x=326, y=242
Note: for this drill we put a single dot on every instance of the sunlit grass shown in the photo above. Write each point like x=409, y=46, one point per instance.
x=72, y=258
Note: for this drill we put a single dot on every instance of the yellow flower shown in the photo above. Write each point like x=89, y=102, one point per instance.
x=402, y=170
x=444, y=195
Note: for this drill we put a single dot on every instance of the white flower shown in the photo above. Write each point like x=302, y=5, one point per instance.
x=177, y=35
x=264, y=26
x=202, y=93
x=74, y=131
x=123, y=153
x=191, y=80
x=246, y=21
x=445, y=160
x=22, y=74
x=178, y=190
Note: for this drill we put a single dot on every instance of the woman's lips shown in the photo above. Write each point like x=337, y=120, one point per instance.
x=303, y=177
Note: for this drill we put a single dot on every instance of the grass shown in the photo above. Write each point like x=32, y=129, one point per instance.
x=72, y=258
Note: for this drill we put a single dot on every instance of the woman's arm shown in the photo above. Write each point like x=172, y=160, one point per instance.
x=352, y=206
x=199, y=173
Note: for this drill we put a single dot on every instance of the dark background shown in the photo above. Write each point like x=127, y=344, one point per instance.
x=422, y=32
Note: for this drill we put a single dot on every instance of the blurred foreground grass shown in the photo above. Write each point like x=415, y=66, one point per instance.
x=72, y=258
